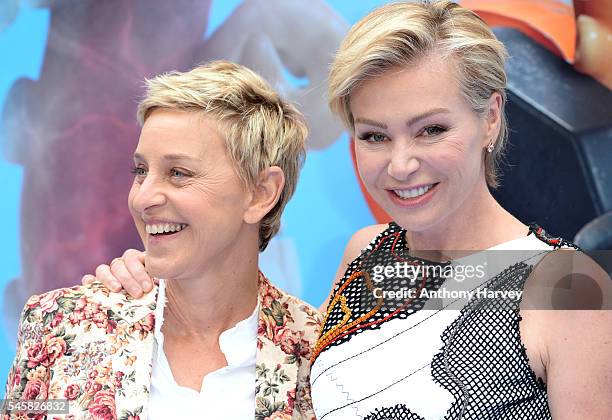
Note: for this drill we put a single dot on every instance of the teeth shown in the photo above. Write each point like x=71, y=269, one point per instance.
x=414, y=192
x=165, y=228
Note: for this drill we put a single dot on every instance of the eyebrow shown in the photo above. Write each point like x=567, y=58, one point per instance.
x=410, y=122
x=371, y=122
x=427, y=114
x=171, y=157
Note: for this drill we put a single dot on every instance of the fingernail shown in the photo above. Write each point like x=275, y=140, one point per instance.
x=146, y=285
x=114, y=286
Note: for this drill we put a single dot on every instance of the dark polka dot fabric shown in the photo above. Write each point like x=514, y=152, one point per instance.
x=357, y=288
x=482, y=363
x=398, y=412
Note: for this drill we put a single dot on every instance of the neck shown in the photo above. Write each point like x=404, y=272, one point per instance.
x=479, y=223
x=217, y=298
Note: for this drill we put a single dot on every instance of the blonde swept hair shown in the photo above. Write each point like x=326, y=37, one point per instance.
x=259, y=128
x=401, y=34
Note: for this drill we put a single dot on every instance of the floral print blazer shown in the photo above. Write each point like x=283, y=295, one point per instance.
x=95, y=348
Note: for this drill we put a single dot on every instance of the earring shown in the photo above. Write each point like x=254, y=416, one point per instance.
x=490, y=147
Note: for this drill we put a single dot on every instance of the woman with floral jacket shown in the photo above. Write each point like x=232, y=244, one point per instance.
x=216, y=162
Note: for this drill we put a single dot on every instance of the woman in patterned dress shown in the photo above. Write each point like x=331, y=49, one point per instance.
x=421, y=87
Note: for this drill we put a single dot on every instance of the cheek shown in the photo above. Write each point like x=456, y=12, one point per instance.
x=448, y=161
x=211, y=194
x=130, y=199
x=138, y=223
x=452, y=158
x=212, y=201
x=134, y=213
x=370, y=164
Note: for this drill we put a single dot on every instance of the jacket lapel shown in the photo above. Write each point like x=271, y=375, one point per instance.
x=276, y=370
x=133, y=355
x=276, y=360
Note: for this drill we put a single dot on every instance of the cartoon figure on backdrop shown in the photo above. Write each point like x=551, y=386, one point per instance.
x=579, y=31
x=594, y=49
x=72, y=129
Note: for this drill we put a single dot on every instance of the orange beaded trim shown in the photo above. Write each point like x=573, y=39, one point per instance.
x=347, y=315
x=338, y=329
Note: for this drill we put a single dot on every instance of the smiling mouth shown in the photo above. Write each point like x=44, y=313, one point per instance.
x=414, y=192
x=165, y=229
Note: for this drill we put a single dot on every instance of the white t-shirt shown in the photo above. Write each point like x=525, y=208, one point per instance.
x=226, y=393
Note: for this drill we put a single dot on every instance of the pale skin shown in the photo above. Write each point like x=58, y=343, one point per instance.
x=413, y=128
x=184, y=175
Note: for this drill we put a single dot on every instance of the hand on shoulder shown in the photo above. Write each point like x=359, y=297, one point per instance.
x=127, y=272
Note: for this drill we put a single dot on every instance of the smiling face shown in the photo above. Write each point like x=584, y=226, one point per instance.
x=187, y=201
x=419, y=146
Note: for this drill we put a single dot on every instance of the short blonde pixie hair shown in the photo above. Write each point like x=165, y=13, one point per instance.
x=401, y=34
x=260, y=129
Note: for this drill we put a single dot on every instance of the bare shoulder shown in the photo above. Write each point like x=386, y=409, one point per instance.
x=360, y=240
x=567, y=279
x=571, y=297
x=579, y=374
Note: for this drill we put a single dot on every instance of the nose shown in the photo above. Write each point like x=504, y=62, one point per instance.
x=403, y=162
x=146, y=195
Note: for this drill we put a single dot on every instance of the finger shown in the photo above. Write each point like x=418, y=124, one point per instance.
x=134, y=262
x=104, y=275
x=123, y=276
x=87, y=279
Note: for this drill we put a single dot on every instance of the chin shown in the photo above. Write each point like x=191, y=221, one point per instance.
x=420, y=222
x=412, y=225
x=159, y=268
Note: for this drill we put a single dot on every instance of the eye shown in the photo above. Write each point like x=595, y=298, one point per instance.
x=373, y=137
x=139, y=171
x=177, y=173
x=433, y=130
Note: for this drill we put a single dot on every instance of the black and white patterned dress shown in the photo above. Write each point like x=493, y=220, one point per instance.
x=420, y=357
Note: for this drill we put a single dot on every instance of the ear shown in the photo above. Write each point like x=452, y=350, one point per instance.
x=493, y=119
x=265, y=194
